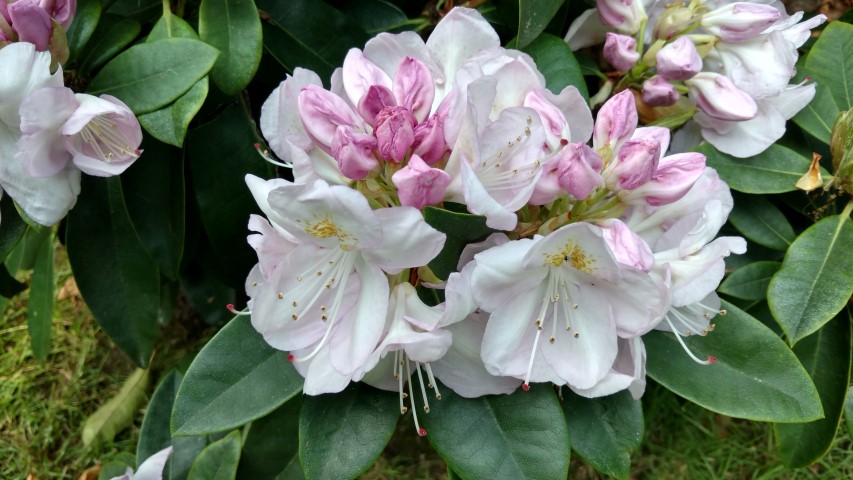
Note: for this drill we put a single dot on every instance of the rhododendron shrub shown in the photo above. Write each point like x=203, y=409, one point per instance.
x=435, y=223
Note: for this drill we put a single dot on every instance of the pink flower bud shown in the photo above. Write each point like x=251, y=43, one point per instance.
x=419, y=185
x=322, y=112
x=376, y=98
x=395, y=132
x=620, y=51
x=657, y=92
x=61, y=10
x=719, y=98
x=674, y=177
x=628, y=248
x=31, y=22
x=579, y=170
x=616, y=122
x=740, y=21
x=354, y=152
x=548, y=186
x=430, y=144
x=414, y=88
x=635, y=164
x=624, y=15
x=679, y=60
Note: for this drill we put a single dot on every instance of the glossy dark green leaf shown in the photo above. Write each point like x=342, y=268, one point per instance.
x=342, y=434
x=141, y=10
x=234, y=28
x=118, y=280
x=516, y=436
x=9, y=285
x=829, y=62
x=272, y=443
x=557, y=63
x=111, y=36
x=756, y=376
x=533, y=17
x=116, y=414
x=154, y=194
x=762, y=222
x=297, y=34
x=12, y=227
x=816, y=278
x=818, y=116
x=461, y=228
x=219, y=460
x=605, y=430
x=376, y=16
x=776, y=170
x=237, y=377
x=85, y=20
x=826, y=355
x=40, y=302
x=750, y=282
x=169, y=124
x=221, y=153
x=152, y=75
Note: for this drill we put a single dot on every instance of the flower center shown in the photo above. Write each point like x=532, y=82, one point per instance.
x=325, y=227
x=106, y=141
x=401, y=361
x=572, y=254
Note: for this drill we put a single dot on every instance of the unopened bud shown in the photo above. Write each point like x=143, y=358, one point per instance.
x=719, y=98
x=679, y=60
x=657, y=92
x=740, y=21
x=841, y=146
x=625, y=16
x=620, y=51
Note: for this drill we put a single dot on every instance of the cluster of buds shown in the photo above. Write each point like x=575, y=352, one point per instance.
x=49, y=134
x=593, y=246
x=733, y=60
x=40, y=22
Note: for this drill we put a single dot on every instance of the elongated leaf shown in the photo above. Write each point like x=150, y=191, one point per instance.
x=111, y=36
x=141, y=10
x=826, y=356
x=9, y=285
x=171, y=26
x=750, y=281
x=149, y=76
x=533, y=17
x=816, y=278
x=776, y=170
x=297, y=34
x=154, y=194
x=221, y=153
x=762, y=222
x=85, y=20
x=40, y=302
x=756, y=375
x=848, y=410
x=118, y=280
x=342, y=434
x=235, y=378
x=272, y=444
x=117, y=414
x=219, y=460
x=516, y=436
x=233, y=27
x=830, y=63
x=605, y=430
x=12, y=227
x=818, y=116
x=376, y=16
x=557, y=63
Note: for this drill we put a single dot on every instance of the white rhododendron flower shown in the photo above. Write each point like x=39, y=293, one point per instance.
x=150, y=469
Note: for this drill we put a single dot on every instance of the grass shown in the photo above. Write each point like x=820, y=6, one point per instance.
x=43, y=407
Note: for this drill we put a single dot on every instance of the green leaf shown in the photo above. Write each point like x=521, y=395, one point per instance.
x=141, y=10
x=297, y=34
x=40, y=302
x=342, y=434
x=272, y=444
x=605, y=430
x=12, y=227
x=117, y=414
x=831, y=63
x=557, y=63
x=233, y=27
x=218, y=461
x=533, y=17
x=826, y=356
x=154, y=195
x=522, y=435
x=85, y=20
x=756, y=375
x=149, y=76
x=819, y=115
x=221, y=153
x=376, y=16
x=762, y=222
x=749, y=282
x=461, y=228
x=170, y=123
x=848, y=411
x=111, y=36
x=213, y=396
x=776, y=170
x=816, y=278
x=117, y=279
x=116, y=467
x=9, y=285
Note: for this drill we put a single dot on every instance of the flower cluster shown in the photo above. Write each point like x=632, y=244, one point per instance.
x=733, y=60
x=40, y=22
x=593, y=246
x=49, y=134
